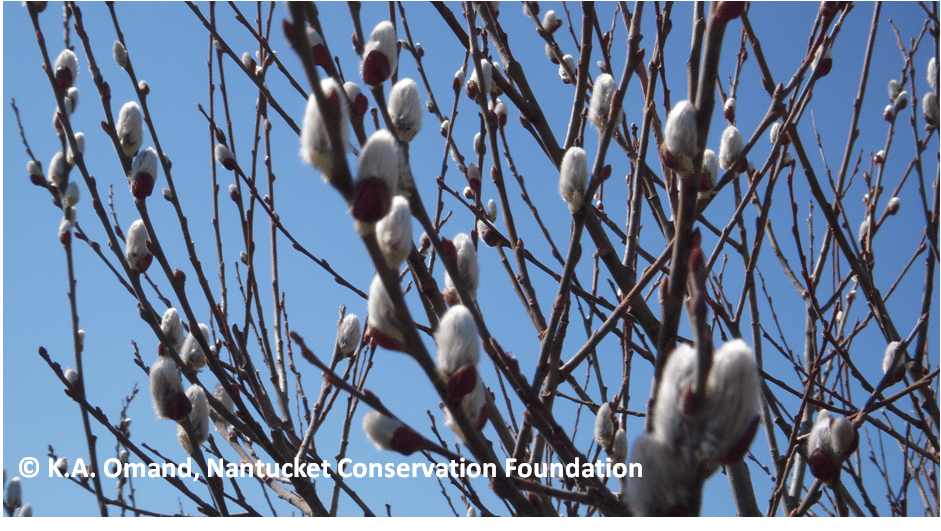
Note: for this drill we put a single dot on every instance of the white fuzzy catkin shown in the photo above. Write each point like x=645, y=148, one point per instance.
x=349, y=333
x=929, y=106
x=820, y=433
x=567, y=65
x=482, y=78
x=145, y=163
x=394, y=232
x=681, y=136
x=604, y=427
x=664, y=488
x=136, y=245
x=893, y=206
x=573, y=177
x=172, y=327
x=889, y=357
x=14, y=497
x=71, y=99
x=405, y=109
x=218, y=420
x=679, y=373
x=315, y=140
x=474, y=406
x=382, y=311
x=457, y=340
x=59, y=171
x=71, y=195
x=380, y=429
x=550, y=21
x=894, y=89
x=80, y=144
x=710, y=165
x=191, y=353
x=66, y=69
x=380, y=158
x=732, y=399
x=130, y=128
x=198, y=420
x=600, y=104
x=165, y=383
x=381, y=46
x=618, y=451
x=467, y=268
x=932, y=74
x=730, y=147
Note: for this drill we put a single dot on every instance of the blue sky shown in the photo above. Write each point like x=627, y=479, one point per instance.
x=169, y=49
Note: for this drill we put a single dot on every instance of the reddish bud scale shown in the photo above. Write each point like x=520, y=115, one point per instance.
x=738, y=450
x=729, y=10
x=320, y=55
x=490, y=237
x=142, y=186
x=824, y=67
x=461, y=383
x=64, y=78
x=471, y=89
x=377, y=338
x=448, y=251
x=234, y=196
x=371, y=200
x=376, y=68
x=180, y=406
x=65, y=238
x=308, y=355
x=361, y=105
x=144, y=262
x=822, y=466
x=38, y=180
x=106, y=90
x=605, y=173
x=406, y=441
x=475, y=185
x=483, y=417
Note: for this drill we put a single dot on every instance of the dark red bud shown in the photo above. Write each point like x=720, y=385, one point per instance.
x=448, y=250
x=38, y=180
x=144, y=263
x=484, y=416
x=179, y=407
x=376, y=68
x=180, y=276
x=471, y=89
x=64, y=78
x=371, y=200
x=406, y=441
x=142, y=186
x=738, y=450
x=490, y=237
x=320, y=56
x=361, y=105
x=729, y=10
x=822, y=466
x=461, y=383
x=106, y=90
x=65, y=238
x=377, y=338
x=605, y=172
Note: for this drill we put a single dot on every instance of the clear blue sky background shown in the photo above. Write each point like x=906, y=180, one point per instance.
x=169, y=48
